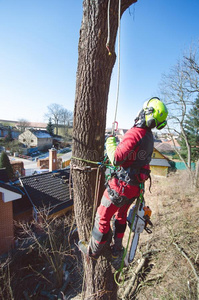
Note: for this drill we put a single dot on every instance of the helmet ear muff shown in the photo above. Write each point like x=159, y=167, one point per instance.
x=161, y=125
x=155, y=113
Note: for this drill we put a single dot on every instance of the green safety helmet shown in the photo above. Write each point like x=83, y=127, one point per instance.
x=155, y=113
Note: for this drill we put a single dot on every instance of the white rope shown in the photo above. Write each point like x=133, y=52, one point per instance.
x=118, y=76
x=108, y=25
x=107, y=46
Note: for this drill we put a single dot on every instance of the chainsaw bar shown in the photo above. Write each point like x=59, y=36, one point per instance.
x=138, y=226
x=133, y=247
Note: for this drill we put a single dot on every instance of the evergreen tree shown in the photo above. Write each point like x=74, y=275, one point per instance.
x=192, y=130
x=5, y=163
x=50, y=127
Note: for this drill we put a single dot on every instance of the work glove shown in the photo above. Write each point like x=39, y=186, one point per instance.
x=111, y=145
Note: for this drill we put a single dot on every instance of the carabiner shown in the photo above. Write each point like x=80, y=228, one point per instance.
x=114, y=129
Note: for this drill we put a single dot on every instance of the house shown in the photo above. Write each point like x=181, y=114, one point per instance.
x=4, y=131
x=8, y=194
x=164, y=148
x=159, y=164
x=46, y=192
x=36, y=138
x=49, y=192
x=18, y=168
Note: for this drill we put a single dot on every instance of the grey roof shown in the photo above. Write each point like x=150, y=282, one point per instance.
x=159, y=162
x=163, y=147
x=49, y=190
x=41, y=134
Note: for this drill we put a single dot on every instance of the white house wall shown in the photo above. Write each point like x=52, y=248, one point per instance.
x=31, y=140
x=28, y=138
x=8, y=196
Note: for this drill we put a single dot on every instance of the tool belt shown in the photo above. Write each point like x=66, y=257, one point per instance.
x=130, y=177
x=117, y=199
x=133, y=176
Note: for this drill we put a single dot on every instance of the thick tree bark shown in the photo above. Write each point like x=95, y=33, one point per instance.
x=92, y=88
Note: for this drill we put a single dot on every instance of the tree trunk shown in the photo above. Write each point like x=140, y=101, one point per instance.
x=92, y=87
x=197, y=175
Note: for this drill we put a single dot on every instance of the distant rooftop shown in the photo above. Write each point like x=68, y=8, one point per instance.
x=30, y=124
x=49, y=190
x=41, y=133
x=159, y=162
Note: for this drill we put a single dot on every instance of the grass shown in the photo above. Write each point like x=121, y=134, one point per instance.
x=175, y=208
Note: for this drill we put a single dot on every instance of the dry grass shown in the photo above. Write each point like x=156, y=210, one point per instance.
x=45, y=264
x=167, y=274
x=35, y=270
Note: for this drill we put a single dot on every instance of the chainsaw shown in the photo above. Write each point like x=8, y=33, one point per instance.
x=138, y=221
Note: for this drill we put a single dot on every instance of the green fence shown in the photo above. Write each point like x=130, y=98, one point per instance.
x=179, y=165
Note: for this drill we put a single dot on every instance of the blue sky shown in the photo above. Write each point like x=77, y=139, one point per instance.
x=39, y=52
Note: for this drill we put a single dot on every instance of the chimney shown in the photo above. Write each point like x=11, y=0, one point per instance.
x=52, y=159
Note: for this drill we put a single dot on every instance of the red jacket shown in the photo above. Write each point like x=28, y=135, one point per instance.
x=133, y=153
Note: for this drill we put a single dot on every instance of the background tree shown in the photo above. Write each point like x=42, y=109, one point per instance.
x=5, y=163
x=178, y=100
x=192, y=131
x=50, y=127
x=191, y=69
x=23, y=124
x=55, y=113
x=66, y=119
x=92, y=88
x=178, y=90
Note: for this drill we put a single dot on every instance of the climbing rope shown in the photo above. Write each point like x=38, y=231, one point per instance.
x=118, y=72
x=109, y=52
x=108, y=25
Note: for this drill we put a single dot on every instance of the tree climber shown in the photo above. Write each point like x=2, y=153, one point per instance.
x=133, y=155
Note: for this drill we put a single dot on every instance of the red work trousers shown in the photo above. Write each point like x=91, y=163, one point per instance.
x=101, y=230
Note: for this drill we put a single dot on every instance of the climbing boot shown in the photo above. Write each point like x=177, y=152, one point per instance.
x=116, y=252
x=117, y=255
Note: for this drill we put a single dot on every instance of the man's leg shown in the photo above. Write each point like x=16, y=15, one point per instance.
x=119, y=227
x=101, y=228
